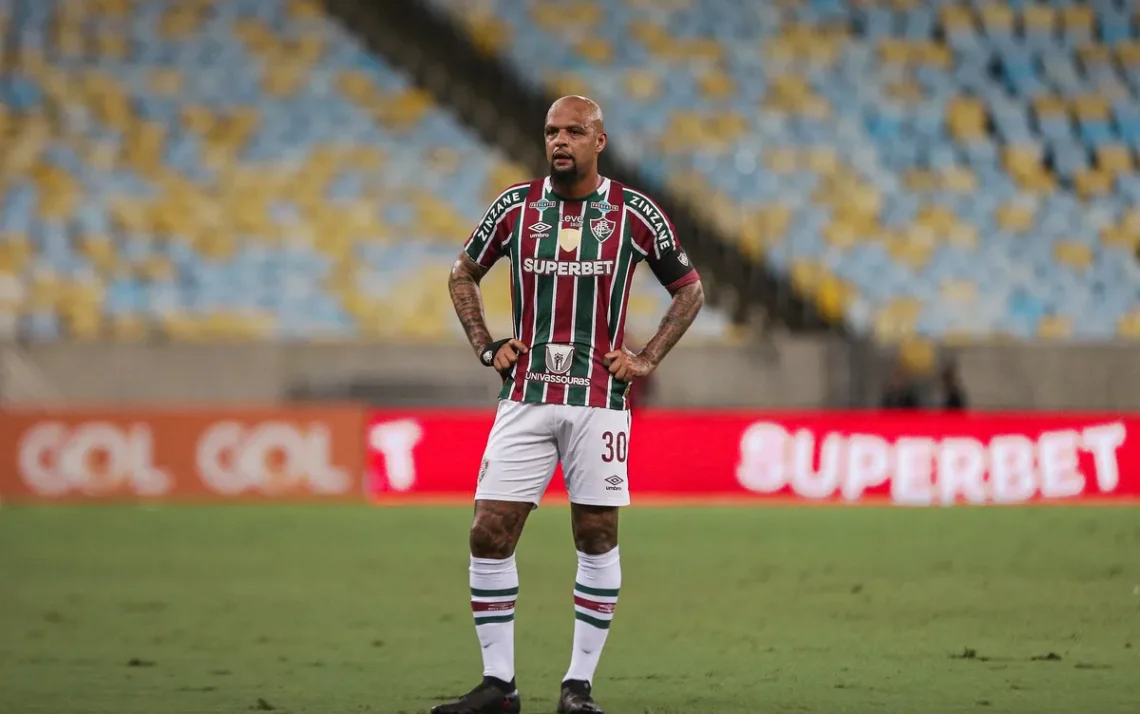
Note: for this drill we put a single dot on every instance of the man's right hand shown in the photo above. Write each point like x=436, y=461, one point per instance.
x=503, y=354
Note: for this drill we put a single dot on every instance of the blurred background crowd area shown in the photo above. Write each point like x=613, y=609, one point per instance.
x=260, y=199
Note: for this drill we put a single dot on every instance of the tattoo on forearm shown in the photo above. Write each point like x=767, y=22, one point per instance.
x=463, y=284
x=686, y=304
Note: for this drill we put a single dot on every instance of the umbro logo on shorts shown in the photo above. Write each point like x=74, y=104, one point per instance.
x=615, y=483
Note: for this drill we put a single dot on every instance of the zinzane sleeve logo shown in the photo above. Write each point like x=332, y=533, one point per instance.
x=485, y=245
x=654, y=220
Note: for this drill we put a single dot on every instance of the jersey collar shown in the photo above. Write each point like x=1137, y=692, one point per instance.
x=602, y=190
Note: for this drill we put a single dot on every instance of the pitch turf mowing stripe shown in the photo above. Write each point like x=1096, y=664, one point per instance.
x=595, y=622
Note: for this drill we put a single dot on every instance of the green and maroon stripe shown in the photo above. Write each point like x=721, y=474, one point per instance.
x=565, y=294
x=619, y=300
x=602, y=339
x=493, y=606
x=527, y=303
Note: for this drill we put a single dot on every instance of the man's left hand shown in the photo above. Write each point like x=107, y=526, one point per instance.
x=626, y=365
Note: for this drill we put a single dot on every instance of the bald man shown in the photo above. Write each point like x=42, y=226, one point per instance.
x=573, y=240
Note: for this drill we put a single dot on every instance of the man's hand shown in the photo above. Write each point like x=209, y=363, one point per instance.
x=502, y=355
x=508, y=354
x=626, y=365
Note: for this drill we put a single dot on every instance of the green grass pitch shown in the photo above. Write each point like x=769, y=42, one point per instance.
x=335, y=610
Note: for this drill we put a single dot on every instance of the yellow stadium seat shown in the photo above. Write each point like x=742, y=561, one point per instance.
x=1049, y=105
x=937, y=217
x=920, y=181
x=489, y=34
x=912, y=253
x=641, y=85
x=1114, y=159
x=894, y=52
x=959, y=179
x=1092, y=107
x=958, y=291
x=841, y=235
x=568, y=83
x=1073, y=254
x=967, y=118
x=716, y=86
x=964, y=235
x=781, y=159
x=933, y=54
x=596, y=50
x=1055, y=327
x=1128, y=53
x=905, y=91
x=918, y=355
x=1120, y=236
x=560, y=17
x=1041, y=18
x=1128, y=326
x=1092, y=54
x=996, y=16
x=832, y=298
x=1092, y=182
x=896, y=320
x=956, y=17
x=303, y=10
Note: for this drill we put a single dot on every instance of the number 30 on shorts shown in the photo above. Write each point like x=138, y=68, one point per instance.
x=614, y=447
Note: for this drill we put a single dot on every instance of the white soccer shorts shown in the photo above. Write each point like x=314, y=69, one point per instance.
x=528, y=441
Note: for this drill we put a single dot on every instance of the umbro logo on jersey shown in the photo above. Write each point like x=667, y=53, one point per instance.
x=540, y=229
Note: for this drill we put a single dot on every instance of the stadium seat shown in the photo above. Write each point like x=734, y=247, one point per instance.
x=1024, y=172
x=245, y=169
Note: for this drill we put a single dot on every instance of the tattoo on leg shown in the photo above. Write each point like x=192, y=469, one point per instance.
x=595, y=528
x=496, y=528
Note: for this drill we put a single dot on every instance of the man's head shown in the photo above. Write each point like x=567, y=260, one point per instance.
x=575, y=135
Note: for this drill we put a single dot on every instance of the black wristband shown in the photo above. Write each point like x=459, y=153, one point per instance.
x=487, y=356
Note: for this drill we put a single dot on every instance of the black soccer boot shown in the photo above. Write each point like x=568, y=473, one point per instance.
x=576, y=699
x=492, y=696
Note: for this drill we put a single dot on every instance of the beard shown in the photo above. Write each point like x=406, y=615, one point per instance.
x=567, y=174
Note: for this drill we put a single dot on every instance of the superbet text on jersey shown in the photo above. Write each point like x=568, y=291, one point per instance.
x=572, y=264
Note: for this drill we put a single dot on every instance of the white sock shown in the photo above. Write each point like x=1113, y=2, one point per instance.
x=494, y=589
x=595, y=596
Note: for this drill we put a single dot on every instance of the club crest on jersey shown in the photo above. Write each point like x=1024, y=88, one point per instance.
x=569, y=238
x=559, y=358
x=603, y=206
x=602, y=228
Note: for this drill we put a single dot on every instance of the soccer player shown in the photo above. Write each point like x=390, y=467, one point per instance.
x=572, y=240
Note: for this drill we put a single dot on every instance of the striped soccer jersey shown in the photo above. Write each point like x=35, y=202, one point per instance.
x=572, y=265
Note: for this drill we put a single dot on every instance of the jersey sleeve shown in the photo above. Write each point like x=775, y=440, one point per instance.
x=488, y=242
x=656, y=240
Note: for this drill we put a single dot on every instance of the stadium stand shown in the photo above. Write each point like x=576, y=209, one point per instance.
x=928, y=171
x=238, y=169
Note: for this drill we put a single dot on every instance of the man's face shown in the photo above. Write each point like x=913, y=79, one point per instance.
x=572, y=142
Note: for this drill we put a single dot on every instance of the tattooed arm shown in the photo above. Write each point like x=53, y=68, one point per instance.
x=463, y=284
x=687, y=302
